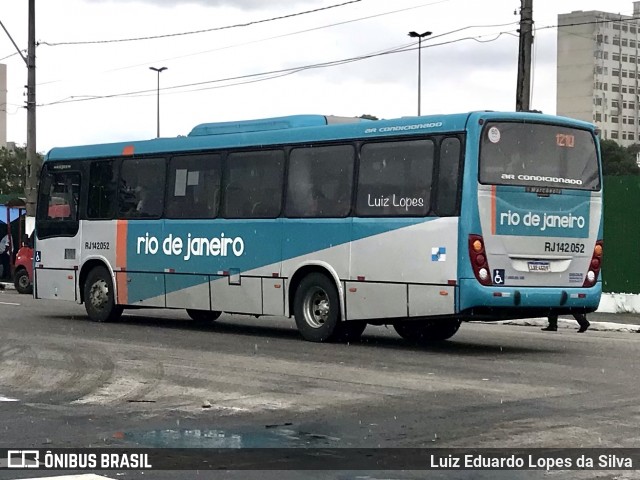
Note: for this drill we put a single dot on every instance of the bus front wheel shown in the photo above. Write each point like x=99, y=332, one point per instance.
x=99, y=299
x=203, y=316
x=425, y=332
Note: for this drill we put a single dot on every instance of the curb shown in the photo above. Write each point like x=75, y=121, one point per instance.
x=572, y=325
x=7, y=286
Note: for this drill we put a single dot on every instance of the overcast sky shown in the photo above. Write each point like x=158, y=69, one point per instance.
x=105, y=91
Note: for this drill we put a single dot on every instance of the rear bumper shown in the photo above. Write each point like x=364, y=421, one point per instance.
x=522, y=302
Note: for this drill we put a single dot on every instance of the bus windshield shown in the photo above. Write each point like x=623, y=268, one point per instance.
x=538, y=155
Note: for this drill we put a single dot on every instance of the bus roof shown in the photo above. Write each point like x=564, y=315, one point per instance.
x=294, y=129
x=264, y=124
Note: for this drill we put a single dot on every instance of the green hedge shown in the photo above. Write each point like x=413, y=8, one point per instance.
x=621, y=264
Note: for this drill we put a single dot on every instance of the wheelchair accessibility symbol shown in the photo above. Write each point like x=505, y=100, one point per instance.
x=498, y=276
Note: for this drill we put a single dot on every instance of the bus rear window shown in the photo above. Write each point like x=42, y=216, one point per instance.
x=533, y=154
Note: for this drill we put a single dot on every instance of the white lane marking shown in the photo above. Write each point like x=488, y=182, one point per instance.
x=7, y=399
x=10, y=303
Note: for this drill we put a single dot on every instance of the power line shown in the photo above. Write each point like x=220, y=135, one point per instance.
x=8, y=56
x=214, y=29
x=591, y=22
x=473, y=26
x=264, y=76
x=270, y=74
x=16, y=108
x=95, y=97
x=270, y=38
x=258, y=77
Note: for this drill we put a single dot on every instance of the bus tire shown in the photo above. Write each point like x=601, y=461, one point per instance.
x=350, y=331
x=99, y=299
x=203, y=316
x=22, y=282
x=316, y=308
x=426, y=332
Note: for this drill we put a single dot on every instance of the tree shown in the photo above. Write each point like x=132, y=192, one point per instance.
x=13, y=170
x=366, y=116
x=618, y=160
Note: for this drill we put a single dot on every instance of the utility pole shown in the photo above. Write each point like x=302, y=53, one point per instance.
x=523, y=88
x=32, y=156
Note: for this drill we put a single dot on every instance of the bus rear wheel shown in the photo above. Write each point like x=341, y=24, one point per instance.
x=203, y=316
x=99, y=298
x=426, y=332
x=316, y=308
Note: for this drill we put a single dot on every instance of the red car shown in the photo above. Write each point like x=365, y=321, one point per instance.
x=23, y=269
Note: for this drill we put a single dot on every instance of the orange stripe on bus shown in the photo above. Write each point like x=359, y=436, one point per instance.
x=121, y=282
x=121, y=261
x=493, y=210
x=128, y=150
x=121, y=244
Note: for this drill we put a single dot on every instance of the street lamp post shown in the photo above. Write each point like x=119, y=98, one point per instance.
x=419, y=36
x=159, y=70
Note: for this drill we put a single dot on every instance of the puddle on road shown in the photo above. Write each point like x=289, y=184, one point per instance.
x=267, y=437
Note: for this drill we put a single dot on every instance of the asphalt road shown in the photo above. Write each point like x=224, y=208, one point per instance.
x=157, y=380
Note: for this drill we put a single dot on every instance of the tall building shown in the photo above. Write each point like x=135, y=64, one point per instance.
x=598, y=71
x=3, y=105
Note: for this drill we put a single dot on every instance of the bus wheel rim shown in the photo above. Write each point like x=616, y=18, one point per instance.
x=316, y=307
x=99, y=294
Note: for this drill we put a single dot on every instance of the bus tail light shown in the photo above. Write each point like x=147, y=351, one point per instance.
x=478, y=258
x=594, y=266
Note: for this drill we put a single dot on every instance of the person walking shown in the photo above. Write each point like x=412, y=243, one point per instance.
x=5, y=261
x=581, y=318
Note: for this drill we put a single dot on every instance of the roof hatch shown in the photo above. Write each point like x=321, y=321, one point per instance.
x=264, y=124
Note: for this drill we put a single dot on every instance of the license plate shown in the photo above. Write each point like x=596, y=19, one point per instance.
x=539, y=267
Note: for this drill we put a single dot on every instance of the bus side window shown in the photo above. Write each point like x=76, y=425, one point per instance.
x=236, y=205
x=193, y=186
x=395, y=178
x=103, y=181
x=320, y=181
x=448, y=177
x=141, y=195
x=253, y=184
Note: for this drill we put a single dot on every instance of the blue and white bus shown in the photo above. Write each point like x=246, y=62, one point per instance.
x=417, y=222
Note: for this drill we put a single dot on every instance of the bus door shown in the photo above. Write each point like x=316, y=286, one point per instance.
x=57, y=251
